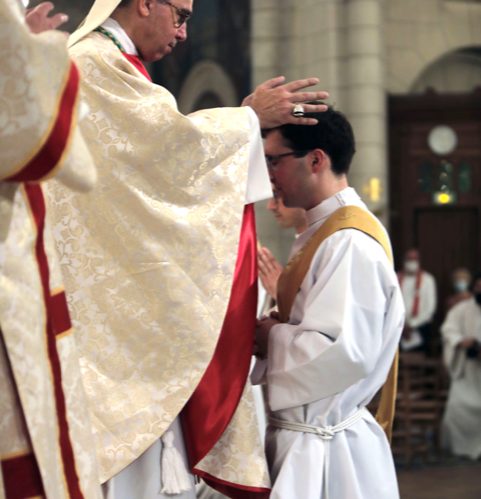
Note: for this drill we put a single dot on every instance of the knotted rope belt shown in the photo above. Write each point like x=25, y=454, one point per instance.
x=326, y=433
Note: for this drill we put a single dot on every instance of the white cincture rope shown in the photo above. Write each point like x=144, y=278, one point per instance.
x=326, y=433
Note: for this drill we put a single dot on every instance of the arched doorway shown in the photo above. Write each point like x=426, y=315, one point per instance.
x=435, y=168
x=458, y=71
x=207, y=85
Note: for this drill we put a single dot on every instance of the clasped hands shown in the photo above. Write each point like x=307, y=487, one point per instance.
x=472, y=347
x=269, y=270
x=263, y=328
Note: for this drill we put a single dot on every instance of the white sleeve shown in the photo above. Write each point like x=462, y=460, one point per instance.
x=451, y=332
x=258, y=182
x=352, y=314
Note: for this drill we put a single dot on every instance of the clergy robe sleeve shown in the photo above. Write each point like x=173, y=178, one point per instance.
x=258, y=182
x=452, y=334
x=39, y=136
x=348, y=308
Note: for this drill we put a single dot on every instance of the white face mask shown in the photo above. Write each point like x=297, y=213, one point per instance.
x=411, y=266
x=461, y=285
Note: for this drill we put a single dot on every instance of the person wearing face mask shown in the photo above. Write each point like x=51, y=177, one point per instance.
x=419, y=293
x=461, y=279
x=461, y=333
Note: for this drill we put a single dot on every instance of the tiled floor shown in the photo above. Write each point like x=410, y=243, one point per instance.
x=448, y=480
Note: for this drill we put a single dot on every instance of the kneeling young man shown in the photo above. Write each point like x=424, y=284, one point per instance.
x=340, y=318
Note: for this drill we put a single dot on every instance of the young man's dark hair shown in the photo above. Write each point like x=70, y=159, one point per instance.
x=333, y=134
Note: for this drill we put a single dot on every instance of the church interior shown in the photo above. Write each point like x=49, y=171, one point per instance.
x=407, y=73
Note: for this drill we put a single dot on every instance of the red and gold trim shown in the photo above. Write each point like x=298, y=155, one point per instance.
x=48, y=158
x=21, y=477
x=57, y=322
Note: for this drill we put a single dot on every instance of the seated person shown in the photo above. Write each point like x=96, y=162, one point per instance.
x=461, y=332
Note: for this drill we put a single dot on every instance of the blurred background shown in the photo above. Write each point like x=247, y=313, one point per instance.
x=407, y=73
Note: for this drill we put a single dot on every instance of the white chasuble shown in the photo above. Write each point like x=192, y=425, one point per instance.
x=325, y=365
x=148, y=258
x=46, y=446
x=461, y=431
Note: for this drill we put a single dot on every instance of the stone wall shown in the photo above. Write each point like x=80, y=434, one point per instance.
x=421, y=32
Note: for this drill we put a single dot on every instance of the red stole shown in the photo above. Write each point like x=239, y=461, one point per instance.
x=417, y=289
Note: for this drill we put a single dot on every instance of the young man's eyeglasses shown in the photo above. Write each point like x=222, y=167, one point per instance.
x=180, y=16
x=273, y=161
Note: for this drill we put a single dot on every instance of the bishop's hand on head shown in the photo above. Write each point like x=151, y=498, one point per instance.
x=275, y=101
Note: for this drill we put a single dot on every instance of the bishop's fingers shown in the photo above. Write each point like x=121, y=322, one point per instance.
x=294, y=86
x=314, y=108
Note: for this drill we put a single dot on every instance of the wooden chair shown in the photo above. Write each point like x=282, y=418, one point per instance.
x=419, y=407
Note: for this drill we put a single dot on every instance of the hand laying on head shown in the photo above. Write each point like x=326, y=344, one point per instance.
x=37, y=19
x=273, y=101
x=269, y=270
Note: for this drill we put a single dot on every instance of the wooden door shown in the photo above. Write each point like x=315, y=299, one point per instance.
x=447, y=238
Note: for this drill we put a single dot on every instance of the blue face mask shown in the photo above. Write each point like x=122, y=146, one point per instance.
x=461, y=285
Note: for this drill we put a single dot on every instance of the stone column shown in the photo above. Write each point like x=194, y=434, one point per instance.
x=272, y=25
x=365, y=102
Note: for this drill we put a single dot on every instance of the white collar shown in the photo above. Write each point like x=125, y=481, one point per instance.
x=346, y=197
x=114, y=27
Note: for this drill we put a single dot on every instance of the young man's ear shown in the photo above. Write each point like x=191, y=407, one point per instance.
x=318, y=160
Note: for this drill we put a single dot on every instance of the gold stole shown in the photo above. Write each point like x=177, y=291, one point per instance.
x=349, y=217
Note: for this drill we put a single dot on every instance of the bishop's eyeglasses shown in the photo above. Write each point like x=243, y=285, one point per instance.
x=179, y=16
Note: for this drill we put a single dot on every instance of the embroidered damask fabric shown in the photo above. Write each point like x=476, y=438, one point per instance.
x=148, y=259
x=46, y=445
